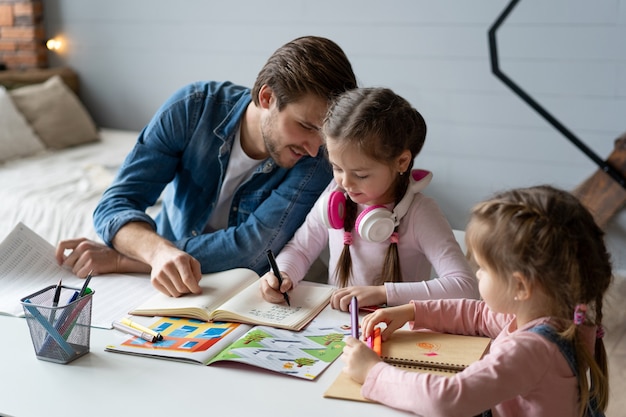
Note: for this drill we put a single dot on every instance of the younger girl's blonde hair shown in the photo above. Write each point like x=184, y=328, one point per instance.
x=549, y=237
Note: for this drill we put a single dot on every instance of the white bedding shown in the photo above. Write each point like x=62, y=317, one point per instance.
x=54, y=193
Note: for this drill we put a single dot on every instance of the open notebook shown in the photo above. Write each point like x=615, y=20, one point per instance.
x=234, y=295
x=418, y=351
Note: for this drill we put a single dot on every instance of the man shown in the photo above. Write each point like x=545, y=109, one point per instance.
x=238, y=171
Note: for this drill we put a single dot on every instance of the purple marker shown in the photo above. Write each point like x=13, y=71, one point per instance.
x=354, y=317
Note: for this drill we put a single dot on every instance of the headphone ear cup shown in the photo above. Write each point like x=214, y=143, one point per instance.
x=333, y=209
x=375, y=224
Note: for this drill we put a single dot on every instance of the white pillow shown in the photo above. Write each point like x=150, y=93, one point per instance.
x=55, y=113
x=17, y=138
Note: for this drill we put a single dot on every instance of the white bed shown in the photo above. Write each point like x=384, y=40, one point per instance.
x=55, y=191
x=54, y=162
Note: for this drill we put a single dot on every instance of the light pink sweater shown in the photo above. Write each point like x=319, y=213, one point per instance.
x=425, y=238
x=523, y=374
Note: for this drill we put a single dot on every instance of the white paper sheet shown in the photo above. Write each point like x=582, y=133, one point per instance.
x=27, y=265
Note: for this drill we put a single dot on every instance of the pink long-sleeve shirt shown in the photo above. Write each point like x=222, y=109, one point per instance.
x=425, y=239
x=524, y=374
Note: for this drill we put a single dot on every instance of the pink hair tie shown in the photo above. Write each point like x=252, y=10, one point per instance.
x=347, y=238
x=600, y=332
x=580, y=313
x=394, y=237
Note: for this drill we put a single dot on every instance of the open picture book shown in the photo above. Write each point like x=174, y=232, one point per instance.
x=234, y=295
x=305, y=354
x=418, y=351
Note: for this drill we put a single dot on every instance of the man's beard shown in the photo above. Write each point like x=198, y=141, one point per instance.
x=271, y=146
x=269, y=138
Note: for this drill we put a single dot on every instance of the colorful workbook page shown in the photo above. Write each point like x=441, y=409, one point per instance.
x=234, y=295
x=184, y=340
x=305, y=354
x=28, y=264
x=418, y=351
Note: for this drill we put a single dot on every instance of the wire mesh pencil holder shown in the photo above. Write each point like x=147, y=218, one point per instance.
x=59, y=334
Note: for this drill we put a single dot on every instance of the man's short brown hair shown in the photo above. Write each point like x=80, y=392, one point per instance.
x=306, y=65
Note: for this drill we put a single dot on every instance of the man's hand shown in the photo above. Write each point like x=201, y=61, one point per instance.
x=175, y=272
x=82, y=255
x=172, y=271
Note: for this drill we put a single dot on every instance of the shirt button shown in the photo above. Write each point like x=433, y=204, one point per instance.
x=194, y=233
x=268, y=167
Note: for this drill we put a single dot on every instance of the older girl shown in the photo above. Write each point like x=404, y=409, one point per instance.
x=382, y=232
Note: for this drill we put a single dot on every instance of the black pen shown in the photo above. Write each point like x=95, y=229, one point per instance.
x=83, y=291
x=55, y=300
x=57, y=294
x=270, y=257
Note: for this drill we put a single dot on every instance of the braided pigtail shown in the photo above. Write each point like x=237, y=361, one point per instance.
x=344, y=267
x=391, y=271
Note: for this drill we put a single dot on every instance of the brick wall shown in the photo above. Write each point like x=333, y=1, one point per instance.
x=22, y=35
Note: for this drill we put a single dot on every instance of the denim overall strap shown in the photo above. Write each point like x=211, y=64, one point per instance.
x=567, y=349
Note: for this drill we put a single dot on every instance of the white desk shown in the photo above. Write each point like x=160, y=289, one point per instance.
x=108, y=384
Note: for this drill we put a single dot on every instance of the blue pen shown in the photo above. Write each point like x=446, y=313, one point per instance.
x=60, y=324
x=354, y=317
x=66, y=327
x=73, y=298
x=66, y=312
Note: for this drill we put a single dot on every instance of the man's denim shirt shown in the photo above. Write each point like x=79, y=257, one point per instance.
x=183, y=153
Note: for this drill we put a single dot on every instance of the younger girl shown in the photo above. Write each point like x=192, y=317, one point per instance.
x=380, y=229
x=543, y=272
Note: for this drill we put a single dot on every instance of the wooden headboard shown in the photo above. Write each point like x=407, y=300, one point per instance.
x=19, y=78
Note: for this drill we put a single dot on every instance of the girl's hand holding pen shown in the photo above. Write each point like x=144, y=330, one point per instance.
x=368, y=295
x=358, y=358
x=270, y=290
x=393, y=317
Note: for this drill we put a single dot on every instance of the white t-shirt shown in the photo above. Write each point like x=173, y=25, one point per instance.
x=240, y=167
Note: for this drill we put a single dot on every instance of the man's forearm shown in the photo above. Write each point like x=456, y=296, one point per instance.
x=172, y=271
x=139, y=242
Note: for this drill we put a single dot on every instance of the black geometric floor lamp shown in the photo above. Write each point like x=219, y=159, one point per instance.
x=493, y=50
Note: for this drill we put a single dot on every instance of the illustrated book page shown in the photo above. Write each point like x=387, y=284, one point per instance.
x=234, y=295
x=305, y=354
x=418, y=351
x=28, y=264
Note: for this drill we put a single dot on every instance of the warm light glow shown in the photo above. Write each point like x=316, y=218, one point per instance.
x=54, y=44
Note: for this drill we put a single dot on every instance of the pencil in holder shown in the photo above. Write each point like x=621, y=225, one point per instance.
x=59, y=333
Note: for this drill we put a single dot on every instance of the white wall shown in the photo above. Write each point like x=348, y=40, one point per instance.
x=569, y=55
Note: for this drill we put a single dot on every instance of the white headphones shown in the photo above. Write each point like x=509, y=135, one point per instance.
x=376, y=223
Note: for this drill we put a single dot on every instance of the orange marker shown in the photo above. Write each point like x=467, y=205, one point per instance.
x=375, y=341
x=378, y=342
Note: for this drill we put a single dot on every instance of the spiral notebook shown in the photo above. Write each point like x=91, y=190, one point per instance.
x=419, y=351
